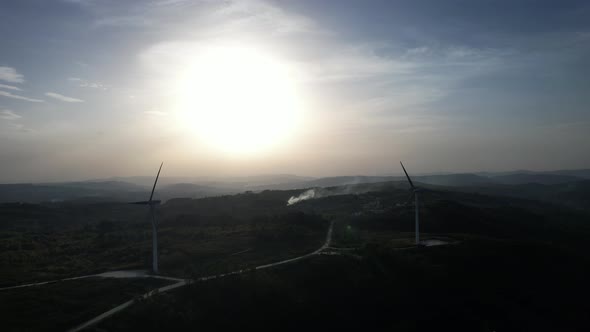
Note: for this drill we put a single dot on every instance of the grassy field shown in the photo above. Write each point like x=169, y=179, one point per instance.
x=63, y=305
x=196, y=237
x=473, y=286
x=513, y=267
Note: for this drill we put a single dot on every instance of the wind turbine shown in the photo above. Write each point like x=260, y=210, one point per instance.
x=415, y=191
x=152, y=204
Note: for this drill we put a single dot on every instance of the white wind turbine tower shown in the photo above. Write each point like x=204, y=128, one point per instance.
x=415, y=191
x=152, y=203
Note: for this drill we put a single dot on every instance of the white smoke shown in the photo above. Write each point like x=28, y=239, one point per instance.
x=332, y=191
x=308, y=194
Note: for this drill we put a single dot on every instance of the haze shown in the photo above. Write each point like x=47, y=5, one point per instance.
x=92, y=89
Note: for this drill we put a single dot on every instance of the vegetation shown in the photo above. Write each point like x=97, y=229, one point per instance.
x=478, y=285
x=63, y=305
x=513, y=263
x=197, y=237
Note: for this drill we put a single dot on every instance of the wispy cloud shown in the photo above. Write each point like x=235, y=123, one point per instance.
x=354, y=63
x=22, y=128
x=9, y=74
x=87, y=84
x=9, y=115
x=9, y=87
x=218, y=16
x=63, y=98
x=12, y=117
x=13, y=96
x=120, y=21
x=257, y=14
x=81, y=3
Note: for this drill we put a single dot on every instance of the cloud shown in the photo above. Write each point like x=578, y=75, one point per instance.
x=9, y=74
x=22, y=128
x=92, y=85
x=228, y=16
x=63, y=98
x=375, y=81
x=121, y=21
x=9, y=115
x=257, y=14
x=9, y=87
x=13, y=96
x=355, y=63
x=375, y=76
x=87, y=84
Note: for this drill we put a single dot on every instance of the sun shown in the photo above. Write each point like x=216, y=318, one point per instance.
x=238, y=100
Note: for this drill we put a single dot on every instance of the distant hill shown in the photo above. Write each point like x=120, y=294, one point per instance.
x=190, y=190
x=571, y=194
x=454, y=179
x=234, y=182
x=100, y=185
x=535, y=178
x=580, y=173
x=528, y=183
x=328, y=182
x=57, y=192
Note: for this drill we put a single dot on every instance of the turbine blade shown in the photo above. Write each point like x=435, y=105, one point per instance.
x=407, y=176
x=155, y=182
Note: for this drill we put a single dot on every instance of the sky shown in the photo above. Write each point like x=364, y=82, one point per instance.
x=99, y=88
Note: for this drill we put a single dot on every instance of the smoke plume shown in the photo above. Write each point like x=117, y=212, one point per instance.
x=308, y=194
x=347, y=189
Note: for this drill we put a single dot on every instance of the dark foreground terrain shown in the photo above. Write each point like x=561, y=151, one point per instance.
x=511, y=263
x=63, y=305
x=484, y=286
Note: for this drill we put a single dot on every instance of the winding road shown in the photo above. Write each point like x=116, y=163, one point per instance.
x=112, y=274
x=180, y=282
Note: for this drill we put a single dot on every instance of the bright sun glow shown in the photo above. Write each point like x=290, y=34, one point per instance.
x=238, y=100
